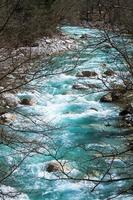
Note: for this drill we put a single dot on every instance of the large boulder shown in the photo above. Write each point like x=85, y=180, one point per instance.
x=87, y=74
x=7, y=118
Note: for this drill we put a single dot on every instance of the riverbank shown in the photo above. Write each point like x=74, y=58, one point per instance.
x=65, y=115
x=21, y=66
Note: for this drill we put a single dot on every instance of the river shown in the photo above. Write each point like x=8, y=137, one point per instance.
x=72, y=124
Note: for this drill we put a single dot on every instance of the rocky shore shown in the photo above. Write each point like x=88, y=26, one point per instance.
x=20, y=64
x=57, y=44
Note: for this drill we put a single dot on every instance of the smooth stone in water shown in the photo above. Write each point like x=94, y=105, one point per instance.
x=107, y=98
x=27, y=102
x=94, y=109
x=109, y=72
x=53, y=167
x=84, y=86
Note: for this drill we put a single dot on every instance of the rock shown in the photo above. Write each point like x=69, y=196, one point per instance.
x=127, y=120
x=109, y=72
x=7, y=118
x=87, y=74
x=107, y=46
x=128, y=97
x=118, y=88
x=1, y=88
x=48, y=41
x=79, y=87
x=127, y=110
x=103, y=65
x=8, y=99
x=10, y=76
x=112, y=96
x=36, y=44
x=127, y=116
x=116, y=95
x=3, y=110
x=123, y=113
x=84, y=36
x=27, y=102
x=53, y=167
x=107, y=98
x=92, y=86
x=69, y=41
x=84, y=86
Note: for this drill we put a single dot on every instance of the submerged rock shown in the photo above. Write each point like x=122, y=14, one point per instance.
x=87, y=74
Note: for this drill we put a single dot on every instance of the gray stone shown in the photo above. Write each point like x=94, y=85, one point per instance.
x=7, y=118
x=87, y=74
x=84, y=86
x=8, y=99
x=107, y=98
x=27, y=101
x=128, y=110
x=109, y=72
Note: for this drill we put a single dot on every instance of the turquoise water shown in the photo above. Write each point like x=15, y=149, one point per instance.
x=71, y=125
